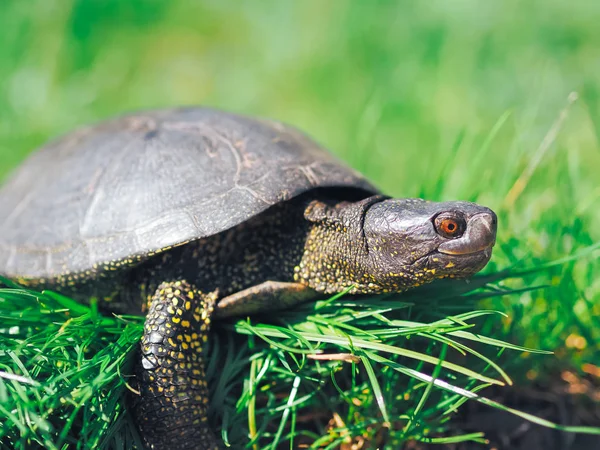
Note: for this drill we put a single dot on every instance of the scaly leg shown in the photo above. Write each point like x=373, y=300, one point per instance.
x=171, y=411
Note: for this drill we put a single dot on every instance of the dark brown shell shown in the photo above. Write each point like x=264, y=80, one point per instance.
x=137, y=184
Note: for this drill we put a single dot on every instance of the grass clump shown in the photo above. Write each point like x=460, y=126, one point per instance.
x=374, y=371
x=62, y=371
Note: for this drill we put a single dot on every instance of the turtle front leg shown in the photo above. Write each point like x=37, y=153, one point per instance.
x=171, y=411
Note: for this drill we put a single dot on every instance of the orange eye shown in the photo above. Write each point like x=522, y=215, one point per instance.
x=449, y=227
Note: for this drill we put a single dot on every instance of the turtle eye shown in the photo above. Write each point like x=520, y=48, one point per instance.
x=449, y=226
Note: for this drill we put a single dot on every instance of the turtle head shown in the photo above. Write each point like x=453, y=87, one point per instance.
x=387, y=245
x=412, y=241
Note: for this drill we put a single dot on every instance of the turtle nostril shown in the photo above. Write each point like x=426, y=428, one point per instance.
x=493, y=216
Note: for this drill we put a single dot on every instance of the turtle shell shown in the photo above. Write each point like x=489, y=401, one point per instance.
x=137, y=184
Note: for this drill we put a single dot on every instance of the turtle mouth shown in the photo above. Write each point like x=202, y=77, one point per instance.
x=479, y=237
x=485, y=253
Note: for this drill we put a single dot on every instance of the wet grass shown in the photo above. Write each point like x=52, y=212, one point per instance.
x=495, y=103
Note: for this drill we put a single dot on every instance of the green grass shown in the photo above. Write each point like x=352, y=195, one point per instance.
x=442, y=100
x=326, y=373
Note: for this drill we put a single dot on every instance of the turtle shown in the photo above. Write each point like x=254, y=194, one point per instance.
x=189, y=215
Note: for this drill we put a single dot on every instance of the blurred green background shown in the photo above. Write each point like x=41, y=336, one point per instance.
x=441, y=99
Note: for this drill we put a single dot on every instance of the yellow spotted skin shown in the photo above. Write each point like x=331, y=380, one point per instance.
x=170, y=377
x=337, y=258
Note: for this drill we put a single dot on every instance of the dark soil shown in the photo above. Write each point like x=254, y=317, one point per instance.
x=568, y=399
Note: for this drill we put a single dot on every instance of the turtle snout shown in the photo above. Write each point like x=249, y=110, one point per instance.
x=480, y=235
